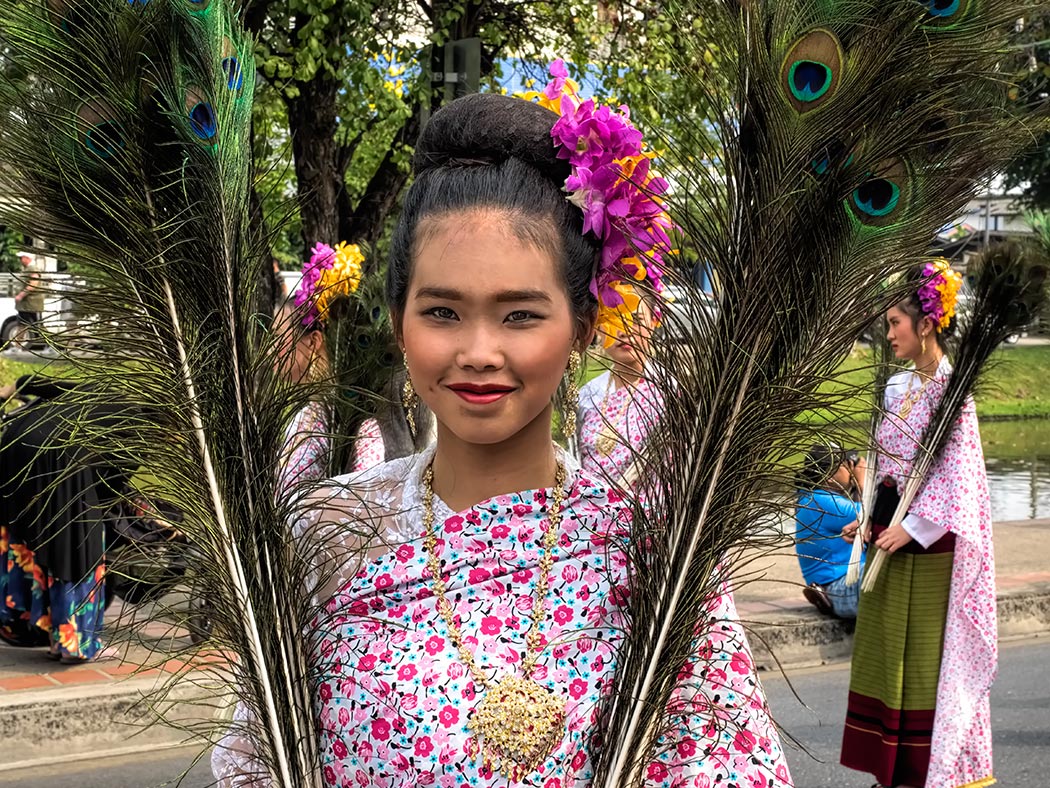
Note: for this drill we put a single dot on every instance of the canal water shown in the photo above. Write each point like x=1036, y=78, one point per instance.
x=1017, y=454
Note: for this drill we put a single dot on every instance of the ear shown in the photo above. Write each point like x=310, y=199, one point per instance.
x=399, y=334
x=927, y=327
x=315, y=339
x=585, y=331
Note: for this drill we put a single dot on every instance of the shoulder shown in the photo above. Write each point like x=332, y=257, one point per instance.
x=593, y=390
x=367, y=504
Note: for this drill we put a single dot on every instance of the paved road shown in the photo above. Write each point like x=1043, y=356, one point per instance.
x=149, y=770
x=1020, y=715
x=1020, y=720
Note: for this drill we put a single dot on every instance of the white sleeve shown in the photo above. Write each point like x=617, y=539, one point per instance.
x=923, y=531
x=234, y=762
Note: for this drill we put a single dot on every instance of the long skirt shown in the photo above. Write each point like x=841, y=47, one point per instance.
x=40, y=609
x=896, y=665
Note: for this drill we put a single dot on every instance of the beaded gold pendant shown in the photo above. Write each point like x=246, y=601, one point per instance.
x=605, y=442
x=517, y=726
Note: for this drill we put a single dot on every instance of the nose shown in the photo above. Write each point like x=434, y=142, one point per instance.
x=480, y=349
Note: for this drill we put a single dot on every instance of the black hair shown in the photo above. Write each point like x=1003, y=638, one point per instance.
x=489, y=151
x=820, y=464
x=914, y=279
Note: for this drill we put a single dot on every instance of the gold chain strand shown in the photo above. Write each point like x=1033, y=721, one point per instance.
x=518, y=722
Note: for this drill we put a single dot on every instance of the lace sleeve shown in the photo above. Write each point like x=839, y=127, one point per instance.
x=234, y=761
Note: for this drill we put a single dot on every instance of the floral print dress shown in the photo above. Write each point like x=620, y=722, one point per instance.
x=394, y=698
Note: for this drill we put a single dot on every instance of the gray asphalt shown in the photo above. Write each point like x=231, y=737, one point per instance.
x=1020, y=720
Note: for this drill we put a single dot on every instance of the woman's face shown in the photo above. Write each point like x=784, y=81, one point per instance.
x=487, y=327
x=297, y=349
x=630, y=345
x=901, y=332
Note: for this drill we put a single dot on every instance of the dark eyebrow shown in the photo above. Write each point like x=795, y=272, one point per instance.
x=504, y=296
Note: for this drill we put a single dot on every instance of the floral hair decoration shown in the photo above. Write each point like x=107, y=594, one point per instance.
x=940, y=292
x=327, y=275
x=613, y=183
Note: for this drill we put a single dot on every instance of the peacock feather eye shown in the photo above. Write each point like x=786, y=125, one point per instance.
x=943, y=8
x=834, y=154
x=99, y=131
x=377, y=313
x=231, y=65
x=946, y=13
x=201, y=115
x=812, y=70
x=877, y=197
x=878, y=200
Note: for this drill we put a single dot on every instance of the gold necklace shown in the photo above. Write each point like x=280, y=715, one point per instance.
x=519, y=722
x=910, y=399
x=608, y=436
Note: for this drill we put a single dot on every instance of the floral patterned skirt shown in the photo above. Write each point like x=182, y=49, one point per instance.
x=38, y=608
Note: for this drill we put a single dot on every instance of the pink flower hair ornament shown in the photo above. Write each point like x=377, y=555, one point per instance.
x=328, y=274
x=612, y=182
x=939, y=293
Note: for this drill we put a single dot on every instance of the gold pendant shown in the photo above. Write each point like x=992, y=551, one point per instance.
x=905, y=408
x=517, y=726
x=605, y=443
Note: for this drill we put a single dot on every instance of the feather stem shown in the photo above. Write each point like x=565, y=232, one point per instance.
x=667, y=617
x=233, y=559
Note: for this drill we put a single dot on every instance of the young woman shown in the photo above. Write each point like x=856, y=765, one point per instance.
x=472, y=591
x=303, y=359
x=924, y=654
x=619, y=408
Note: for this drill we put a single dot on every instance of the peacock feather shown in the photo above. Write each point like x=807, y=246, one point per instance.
x=850, y=132
x=127, y=149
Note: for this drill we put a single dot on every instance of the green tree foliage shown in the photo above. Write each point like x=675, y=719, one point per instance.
x=1032, y=96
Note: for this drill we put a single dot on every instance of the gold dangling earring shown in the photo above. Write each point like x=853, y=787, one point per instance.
x=922, y=347
x=572, y=394
x=409, y=400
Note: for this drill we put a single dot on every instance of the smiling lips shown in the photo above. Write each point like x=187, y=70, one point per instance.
x=477, y=394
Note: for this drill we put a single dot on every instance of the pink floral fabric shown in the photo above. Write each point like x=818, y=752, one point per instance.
x=954, y=496
x=630, y=413
x=395, y=699
x=306, y=443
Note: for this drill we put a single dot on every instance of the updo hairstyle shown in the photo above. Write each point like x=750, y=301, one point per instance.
x=489, y=151
x=915, y=278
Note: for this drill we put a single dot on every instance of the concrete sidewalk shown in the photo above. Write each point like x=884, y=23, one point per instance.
x=786, y=629
x=99, y=709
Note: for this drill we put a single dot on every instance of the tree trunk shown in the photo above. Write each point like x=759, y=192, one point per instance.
x=312, y=120
x=366, y=222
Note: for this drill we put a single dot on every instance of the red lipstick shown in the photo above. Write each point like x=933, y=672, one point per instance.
x=479, y=394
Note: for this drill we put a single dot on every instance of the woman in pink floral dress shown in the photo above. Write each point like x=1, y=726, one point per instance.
x=303, y=358
x=925, y=648
x=472, y=595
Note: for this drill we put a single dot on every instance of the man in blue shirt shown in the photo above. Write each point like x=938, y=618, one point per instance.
x=828, y=485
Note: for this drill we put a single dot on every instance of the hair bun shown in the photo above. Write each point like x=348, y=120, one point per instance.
x=490, y=128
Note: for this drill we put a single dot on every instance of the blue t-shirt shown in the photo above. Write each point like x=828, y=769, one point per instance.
x=820, y=517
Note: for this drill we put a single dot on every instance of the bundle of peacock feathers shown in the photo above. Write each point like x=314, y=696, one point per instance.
x=126, y=147
x=1008, y=291
x=849, y=133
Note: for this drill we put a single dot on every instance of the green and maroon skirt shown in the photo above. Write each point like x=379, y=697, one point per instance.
x=896, y=664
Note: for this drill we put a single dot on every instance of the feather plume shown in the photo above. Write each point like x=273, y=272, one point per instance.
x=128, y=151
x=881, y=360
x=1008, y=283
x=849, y=133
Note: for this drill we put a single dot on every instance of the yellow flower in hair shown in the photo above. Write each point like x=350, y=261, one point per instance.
x=342, y=279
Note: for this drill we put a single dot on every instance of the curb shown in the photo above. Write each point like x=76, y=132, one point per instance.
x=809, y=640
x=57, y=725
